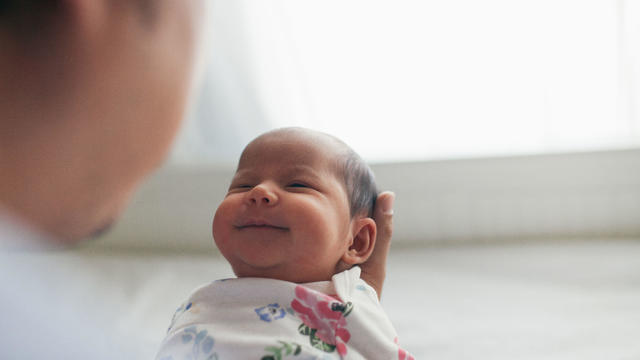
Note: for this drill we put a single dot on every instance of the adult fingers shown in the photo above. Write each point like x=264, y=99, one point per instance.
x=374, y=269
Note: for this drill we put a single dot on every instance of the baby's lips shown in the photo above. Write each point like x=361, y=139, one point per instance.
x=245, y=222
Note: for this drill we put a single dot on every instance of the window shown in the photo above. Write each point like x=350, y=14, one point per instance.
x=412, y=80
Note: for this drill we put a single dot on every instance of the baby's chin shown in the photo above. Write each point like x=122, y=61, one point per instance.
x=256, y=271
x=279, y=273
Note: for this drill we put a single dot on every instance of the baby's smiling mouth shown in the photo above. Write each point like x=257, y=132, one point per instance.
x=258, y=224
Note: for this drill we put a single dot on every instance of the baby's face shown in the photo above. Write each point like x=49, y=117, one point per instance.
x=286, y=215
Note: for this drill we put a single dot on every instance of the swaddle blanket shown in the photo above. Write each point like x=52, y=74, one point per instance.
x=255, y=318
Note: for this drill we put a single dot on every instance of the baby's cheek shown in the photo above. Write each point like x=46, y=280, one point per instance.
x=222, y=239
x=222, y=223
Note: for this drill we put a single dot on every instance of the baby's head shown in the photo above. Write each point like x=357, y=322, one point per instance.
x=298, y=209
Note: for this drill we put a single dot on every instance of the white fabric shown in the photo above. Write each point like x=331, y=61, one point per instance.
x=254, y=318
x=17, y=235
x=43, y=317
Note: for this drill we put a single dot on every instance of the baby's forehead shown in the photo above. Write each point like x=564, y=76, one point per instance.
x=300, y=149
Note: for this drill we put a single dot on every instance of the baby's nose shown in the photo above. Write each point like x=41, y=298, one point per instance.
x=262, y=195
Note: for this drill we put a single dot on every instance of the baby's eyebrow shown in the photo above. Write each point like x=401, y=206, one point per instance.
x=241, y=175
x=288, y=171
x=298, y=169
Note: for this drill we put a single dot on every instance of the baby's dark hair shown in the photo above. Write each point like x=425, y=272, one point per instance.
x=358, y=177
x=359, y=182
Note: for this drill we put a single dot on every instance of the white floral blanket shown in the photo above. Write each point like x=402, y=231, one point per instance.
x=268, y=319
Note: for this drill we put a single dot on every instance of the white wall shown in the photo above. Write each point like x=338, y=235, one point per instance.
x=514, y=198
x=503, y=199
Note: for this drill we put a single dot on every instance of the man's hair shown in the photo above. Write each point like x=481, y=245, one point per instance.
x=359, y=182
x=32, y=19
x=28, y=18
x=21, y=8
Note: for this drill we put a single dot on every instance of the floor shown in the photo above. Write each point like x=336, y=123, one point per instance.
x=563, y=300
x=547, y=300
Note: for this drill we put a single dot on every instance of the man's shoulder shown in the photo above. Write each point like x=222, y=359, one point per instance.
x=17, y=235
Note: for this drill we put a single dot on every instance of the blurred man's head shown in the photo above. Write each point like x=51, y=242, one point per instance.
x=91, y=96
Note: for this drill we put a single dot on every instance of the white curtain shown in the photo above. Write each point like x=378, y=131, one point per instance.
x=409, y=80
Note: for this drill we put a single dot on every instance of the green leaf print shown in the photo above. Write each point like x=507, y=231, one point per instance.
x=314, y=340
x=304, y=329
x=345, y=309
x=319, y=344
x=277, y=353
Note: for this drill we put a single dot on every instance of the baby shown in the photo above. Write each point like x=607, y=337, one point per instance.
x=295, y=221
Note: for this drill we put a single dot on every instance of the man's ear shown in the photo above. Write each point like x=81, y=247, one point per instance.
x=89, y=15
x=363, y=232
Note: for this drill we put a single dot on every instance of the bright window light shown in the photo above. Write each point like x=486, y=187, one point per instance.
x=413, y=80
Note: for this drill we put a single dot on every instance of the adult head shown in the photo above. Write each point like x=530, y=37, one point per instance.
x=91, y=96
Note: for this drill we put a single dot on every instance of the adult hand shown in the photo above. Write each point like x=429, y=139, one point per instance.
x=374, y=269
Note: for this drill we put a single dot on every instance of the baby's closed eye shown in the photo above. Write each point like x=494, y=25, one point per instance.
x=298, y=184
x=240, y=187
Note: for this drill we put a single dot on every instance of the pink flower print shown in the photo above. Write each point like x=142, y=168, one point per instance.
x=402, y=353
x=323, y=319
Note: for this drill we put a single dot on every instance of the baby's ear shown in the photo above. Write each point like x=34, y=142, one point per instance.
x=363, y=231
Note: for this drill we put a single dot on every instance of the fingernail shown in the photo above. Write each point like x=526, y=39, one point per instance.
x=387, y=206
